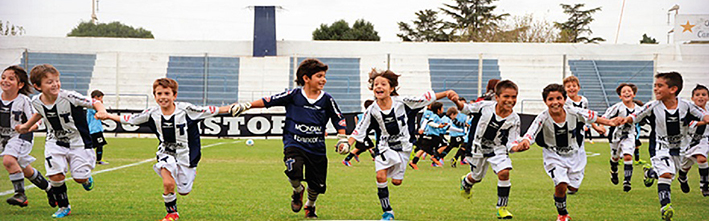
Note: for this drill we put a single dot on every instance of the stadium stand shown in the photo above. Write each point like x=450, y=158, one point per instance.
x=599, y=78
x=75, y=69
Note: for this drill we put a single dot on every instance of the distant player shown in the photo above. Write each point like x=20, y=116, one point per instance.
x=390, y=117
x=176, y=126
x=622, y=138
x=495, y=133
x=572, y=87
x=308, y=109
x=15, y=109
x=68, y=145
x=431, y=139
x=96, y=128
x=698, y=147
x=463, y=120
x=456, y=132
x=360, y=146
x=667, y=113
x=638, y=129
x=558, y=130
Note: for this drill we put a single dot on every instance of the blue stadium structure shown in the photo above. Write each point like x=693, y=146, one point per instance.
x=221, y=75
x=75, y=69
x=599, y=78
x=343, y=82
x=461, y=75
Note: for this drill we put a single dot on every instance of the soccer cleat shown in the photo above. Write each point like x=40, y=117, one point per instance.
x=640, y=162
x=591, y=142
x=503, y=213
x=647, y=180
x=705, y=189
x=614, y=178
x=683, y=184
x=89, y=185
x=346, y=163
x=19, y=199
x=356, y=158
x=436, y=161
x=388, y=215
x=171, y=217
x=310, y=212
x=103, y=162
x=62, y=212
x=454, y=162
x=571, y=192
x=50, y=198
x=297, y=203
x=434, y=165
x=626, y=186
x=667, y=212
x=563, y=217
x=413, y=166
x=463, y=162
x=465, y=191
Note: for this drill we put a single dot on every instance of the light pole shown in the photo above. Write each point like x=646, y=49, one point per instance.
x=676, y=9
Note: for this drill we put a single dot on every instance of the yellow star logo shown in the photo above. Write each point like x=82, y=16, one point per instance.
x=687, y=27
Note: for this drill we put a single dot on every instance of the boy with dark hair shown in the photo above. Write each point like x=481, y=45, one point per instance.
x=698, y=147
x=67, y=147
x=360, y=146
x=431, y=139
x=96, y=128
x=456, y=132
x=558, y=130
x=667, y=113
x=494, y=134
x=308, y=108
x=622, y=137
x=638, y=129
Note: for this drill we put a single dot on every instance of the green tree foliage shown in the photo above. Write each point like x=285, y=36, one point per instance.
x=525, y=29
x=648, y=40
x=474, y=19
x=577, y=24
x=428, y=28
x=114, y=29
x=340, y=30
x=9, y=29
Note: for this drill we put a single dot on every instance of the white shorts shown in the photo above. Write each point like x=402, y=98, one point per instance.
x=183, y=175
x=394, y=162
x=622, y=147
x=58, y=160
x=479, y=165
x=663, y=163
x=19, y=149
x=565, y=169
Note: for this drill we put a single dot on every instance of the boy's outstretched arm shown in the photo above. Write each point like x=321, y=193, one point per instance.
x=26, y=127
x=237, y=109
x=604, y=121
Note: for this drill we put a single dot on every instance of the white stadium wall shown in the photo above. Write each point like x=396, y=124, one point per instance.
x=127, y=67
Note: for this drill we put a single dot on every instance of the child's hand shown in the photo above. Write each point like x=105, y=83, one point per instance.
x=522, y=146
x=442, y=125
x=101, y=115
x=22, y=129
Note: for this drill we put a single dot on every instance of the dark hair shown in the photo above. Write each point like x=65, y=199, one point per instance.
x=436, y=106
x=40, y=71
x=491, y=85
x=699, y=87
x=167, y=83
x=452, y=110
x=504, y=85
x=551, y=88
x=638, y=102
x=368, y=103
x=622, y=85
x=462, y=99
x=22, y=78
x=96, y=93
x=673, y=79
x=389, y=75
x=308, y=67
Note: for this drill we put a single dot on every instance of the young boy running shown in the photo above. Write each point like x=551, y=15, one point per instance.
x=667, y=113
x=389, y=117
x=68, y=144
x=431, y=139
x=495, y=132
x=96, y=128
x=698, y=147
x=622, y=137
x=361, y=146
x=457, y=134
x=308, y=108
x=572, y=85
x=558, y=130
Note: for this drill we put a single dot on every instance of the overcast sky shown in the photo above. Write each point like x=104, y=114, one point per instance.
x=233, y=20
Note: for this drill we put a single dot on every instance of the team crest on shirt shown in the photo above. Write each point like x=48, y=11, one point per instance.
x=342, y=123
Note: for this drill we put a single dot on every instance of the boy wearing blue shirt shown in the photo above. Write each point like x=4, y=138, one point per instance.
x=431, y=139
x=96, y=128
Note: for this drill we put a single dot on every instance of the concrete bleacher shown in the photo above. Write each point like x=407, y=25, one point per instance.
x=599, y=76
x=461, y=75
x=221, y=74
x=75, y=69
x=343, y=81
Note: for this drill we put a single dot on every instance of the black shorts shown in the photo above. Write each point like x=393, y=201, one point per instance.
x=98, y=140
x=457, y=141
x=638, y=143
x=431, y=143
x=315, y=167
x=362, y=146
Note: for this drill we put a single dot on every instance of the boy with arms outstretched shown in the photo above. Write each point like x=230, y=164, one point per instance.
x=308, y=109
x=68, y=144
x=495, y=133
x=390, y=118
x=558, y=130
x=622, y=137
x=667, y=114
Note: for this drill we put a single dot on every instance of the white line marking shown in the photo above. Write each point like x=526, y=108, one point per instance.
x=112, y=169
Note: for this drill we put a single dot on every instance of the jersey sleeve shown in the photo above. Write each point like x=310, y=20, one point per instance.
x=534, y=128
x=474, y=107
x=611, y=111
x=135, y=119
x=420, y=102
x=644, y=112
x=79, y=100
x=28, y=109
x=281, y=99
x=586, y=115
x=200, y=112
x=336, y=117
x=513, y=135
x=360, y=131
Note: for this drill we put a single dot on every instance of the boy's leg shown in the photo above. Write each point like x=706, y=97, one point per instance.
x=82, y=162
x=60, y=195
x=665, y=165
x=168, y=194
x=316, y=175
x=627, y=171
x=703, y=174
x=293, y=161
x=17, y=179
x=560, y=199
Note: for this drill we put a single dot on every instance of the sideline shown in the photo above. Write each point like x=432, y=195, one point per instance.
x=114, y=168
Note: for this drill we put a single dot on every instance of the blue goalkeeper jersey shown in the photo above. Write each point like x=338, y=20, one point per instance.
x=459, y=122
x=95, y=125
x=306, y=119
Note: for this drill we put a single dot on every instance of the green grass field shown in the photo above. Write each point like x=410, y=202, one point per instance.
x=236, y=182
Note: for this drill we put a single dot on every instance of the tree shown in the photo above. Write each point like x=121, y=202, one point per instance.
x=114, y=29
x=474, y=19
x=648, y=40
x=525, y=29
x=361, y=31
x=577, y=24
x=10, y=30
x=428, y=28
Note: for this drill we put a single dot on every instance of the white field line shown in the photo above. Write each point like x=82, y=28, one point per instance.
x=112, y=169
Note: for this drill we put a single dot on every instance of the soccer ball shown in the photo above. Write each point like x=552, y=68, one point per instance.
x=249, y=142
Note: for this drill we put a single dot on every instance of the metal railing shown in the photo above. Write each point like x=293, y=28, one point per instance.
x=600, y=81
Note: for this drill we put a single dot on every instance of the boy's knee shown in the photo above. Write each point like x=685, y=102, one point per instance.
x=80, y=180
x=57, y=177
x=397, y=182
x=184, y=194
x=504, y=174
x=666, y=175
